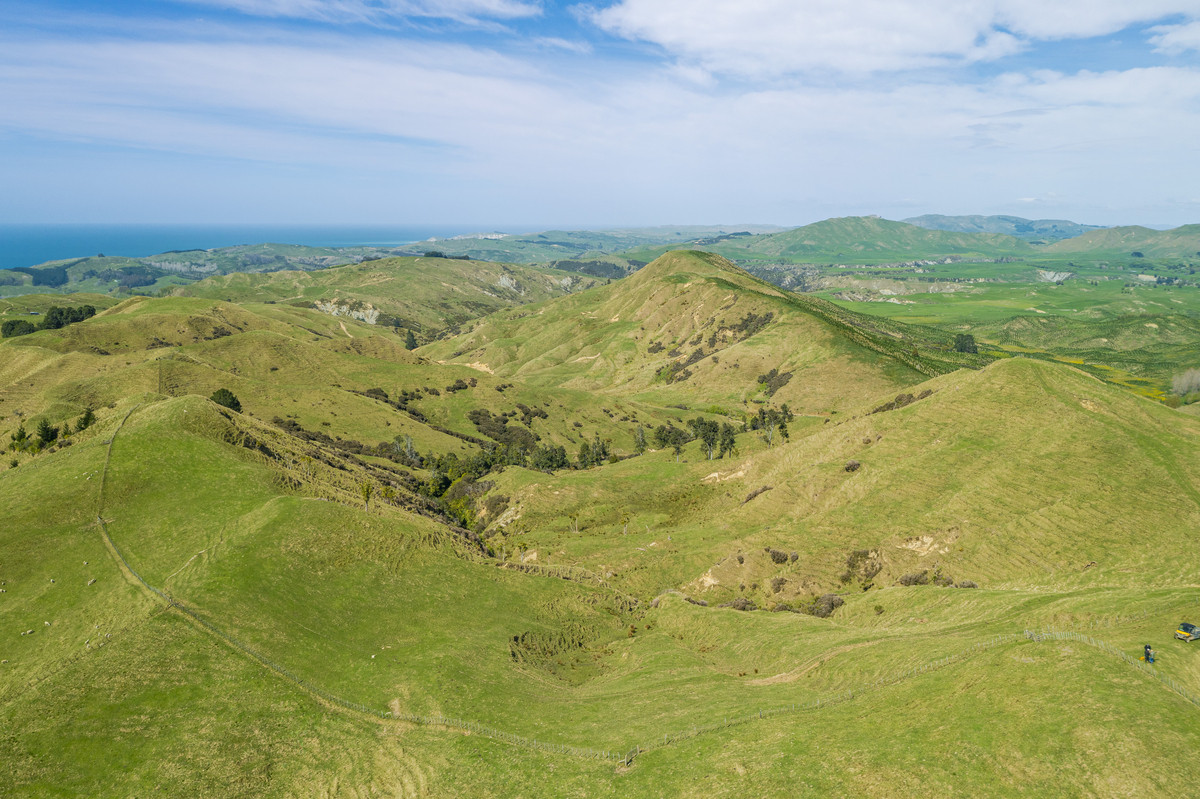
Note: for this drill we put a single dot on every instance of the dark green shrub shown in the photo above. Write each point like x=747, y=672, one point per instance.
x=11, y=328
x=965, y=342
x=227, y=399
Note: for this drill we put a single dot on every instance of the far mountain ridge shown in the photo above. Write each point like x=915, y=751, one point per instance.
x=1016, y=226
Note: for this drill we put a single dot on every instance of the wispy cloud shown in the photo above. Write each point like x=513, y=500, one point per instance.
x=375, y=11
x=556, y=121
x=763, y=38
x=1177, y=39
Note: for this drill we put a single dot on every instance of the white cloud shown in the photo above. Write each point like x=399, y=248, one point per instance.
x=758, y=38
x=374, y=11
x=456, y=132
x=1177, y=39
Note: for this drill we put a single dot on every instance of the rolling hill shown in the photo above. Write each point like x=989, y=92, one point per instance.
x=426, y=295
x=1133, y=241
x=1040, y=230
x=693, y=327
x=268, y=603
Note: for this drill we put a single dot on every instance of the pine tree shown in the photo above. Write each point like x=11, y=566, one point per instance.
x=410, y=341
x=46, y=433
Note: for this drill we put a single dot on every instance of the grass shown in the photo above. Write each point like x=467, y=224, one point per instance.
x=992, y=477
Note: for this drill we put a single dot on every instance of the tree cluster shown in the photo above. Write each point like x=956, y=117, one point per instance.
x=55, y=318
x=772, y=421
x=593, y=454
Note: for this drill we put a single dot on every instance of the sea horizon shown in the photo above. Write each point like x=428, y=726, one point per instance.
x=30, y=244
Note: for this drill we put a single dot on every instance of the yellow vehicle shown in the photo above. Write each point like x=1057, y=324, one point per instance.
x=1187, y=632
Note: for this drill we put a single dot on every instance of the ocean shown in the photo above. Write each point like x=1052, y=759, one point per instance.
x=28, y=245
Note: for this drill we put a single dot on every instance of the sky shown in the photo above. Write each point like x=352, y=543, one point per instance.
x=528, y=114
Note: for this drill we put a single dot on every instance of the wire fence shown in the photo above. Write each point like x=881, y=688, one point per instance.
x=624, y=756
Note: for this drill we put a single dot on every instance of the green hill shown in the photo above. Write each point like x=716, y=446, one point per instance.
x=1133, y=241
x=693, y=327
x=427, y=295
x=270, y=603
x=857, y=240
x=868, y=239
x=1038, y=230
x=578, y=245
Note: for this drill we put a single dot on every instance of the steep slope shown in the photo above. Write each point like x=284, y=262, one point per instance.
x=1024, y=473
x=693, y=327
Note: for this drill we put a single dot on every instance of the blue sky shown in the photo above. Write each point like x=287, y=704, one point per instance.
x=523, y=114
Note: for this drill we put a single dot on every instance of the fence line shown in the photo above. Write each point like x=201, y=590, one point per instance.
x=625, y=758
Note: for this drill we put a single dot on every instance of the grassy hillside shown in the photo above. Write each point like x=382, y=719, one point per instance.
x=1123, y=242
x=263, y=603
x=693, y=328
x=378, y=608
x=426, y=295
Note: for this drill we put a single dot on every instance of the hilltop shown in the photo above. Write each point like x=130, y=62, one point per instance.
x=694, y=327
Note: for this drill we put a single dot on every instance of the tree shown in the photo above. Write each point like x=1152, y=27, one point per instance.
x=367, y=489
x=19, y=437
x=728, y=439
x=226, y=398
x=410, y=341
x=965, y=342
x=86, y=420
x=16, y=327
x=770, y=420
x=625, y=522
x=669, y=435
x=548, y=458
x=46, y=433
x=639, y=440
x=600, y=451
x=707, y=431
